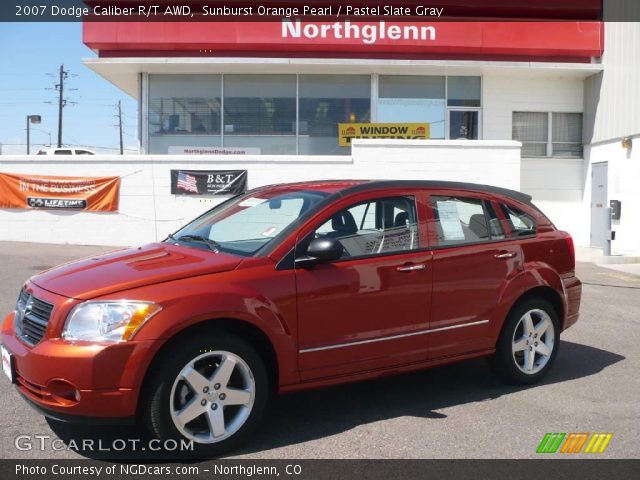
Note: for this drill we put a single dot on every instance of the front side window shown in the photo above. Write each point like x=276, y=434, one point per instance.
x=521, y=223
x=461, y=221
x=374, y=227
x=244, y=225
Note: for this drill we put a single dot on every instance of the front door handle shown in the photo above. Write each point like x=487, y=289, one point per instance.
x=411, y=268
x=505, y=255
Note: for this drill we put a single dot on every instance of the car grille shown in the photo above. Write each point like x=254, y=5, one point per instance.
x=33, y=317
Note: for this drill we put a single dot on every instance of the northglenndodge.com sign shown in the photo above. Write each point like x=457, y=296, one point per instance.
x=208, y=182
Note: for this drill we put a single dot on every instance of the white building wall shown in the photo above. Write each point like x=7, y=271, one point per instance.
x=522, y=92
x=556, y=184
x=623, y=185
x=148, y=211
x=613, y=97
x=612, y=101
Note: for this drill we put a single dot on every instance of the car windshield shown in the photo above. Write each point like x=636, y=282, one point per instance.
x=247, y=223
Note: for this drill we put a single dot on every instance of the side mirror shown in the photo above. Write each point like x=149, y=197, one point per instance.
x=321, y=250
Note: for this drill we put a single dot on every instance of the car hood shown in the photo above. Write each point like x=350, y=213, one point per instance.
x=126, y=269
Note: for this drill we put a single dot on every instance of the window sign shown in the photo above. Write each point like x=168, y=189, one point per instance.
x=450, y=220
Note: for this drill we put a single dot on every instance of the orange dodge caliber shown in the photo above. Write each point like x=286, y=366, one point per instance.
x=292, y=287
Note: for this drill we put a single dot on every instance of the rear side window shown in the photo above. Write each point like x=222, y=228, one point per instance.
x=63, y=152
x=460, y=221
x=521, y=223
x=376, y=227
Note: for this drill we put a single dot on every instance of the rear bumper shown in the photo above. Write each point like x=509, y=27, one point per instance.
x=573, y=295
x=67, y=380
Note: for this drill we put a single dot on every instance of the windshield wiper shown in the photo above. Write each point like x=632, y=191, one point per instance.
x=212, y=244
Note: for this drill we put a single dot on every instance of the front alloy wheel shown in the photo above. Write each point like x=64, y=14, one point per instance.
x=212, y=397
x=208, y=389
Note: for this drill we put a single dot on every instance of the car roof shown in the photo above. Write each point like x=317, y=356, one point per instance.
x=347, y=187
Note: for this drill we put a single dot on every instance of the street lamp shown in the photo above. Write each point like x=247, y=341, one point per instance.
x=35, y=119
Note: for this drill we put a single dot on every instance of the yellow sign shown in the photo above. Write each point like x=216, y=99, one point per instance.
x=406, y=131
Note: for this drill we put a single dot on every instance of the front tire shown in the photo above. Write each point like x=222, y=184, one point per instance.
x=528, y=343
x=209, y=390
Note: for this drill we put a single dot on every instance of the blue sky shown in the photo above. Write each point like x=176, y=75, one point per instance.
x=30, y=57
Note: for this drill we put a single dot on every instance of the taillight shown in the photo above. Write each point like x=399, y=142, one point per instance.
x=572, y=250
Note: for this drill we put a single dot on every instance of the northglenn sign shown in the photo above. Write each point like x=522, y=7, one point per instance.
x=368, y=33
x=534, y=41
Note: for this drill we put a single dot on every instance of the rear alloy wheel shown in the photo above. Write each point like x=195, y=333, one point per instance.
x=211, y=391
x=533, y=341
x=528, y=343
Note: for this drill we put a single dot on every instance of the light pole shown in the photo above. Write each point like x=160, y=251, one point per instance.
x=31, y=119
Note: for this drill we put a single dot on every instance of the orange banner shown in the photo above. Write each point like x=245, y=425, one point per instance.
x=54, y=192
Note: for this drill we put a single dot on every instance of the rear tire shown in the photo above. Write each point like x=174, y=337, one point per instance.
x=528, y=344
x=210, y=390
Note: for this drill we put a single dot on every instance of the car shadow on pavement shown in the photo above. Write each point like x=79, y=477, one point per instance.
x=306, y=416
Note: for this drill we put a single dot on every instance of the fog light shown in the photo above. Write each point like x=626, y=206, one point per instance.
x=63, y=392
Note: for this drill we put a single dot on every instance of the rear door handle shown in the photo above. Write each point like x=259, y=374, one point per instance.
x=411, y=268
x=505, y=255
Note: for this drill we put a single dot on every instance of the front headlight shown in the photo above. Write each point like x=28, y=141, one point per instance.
x=109, y=321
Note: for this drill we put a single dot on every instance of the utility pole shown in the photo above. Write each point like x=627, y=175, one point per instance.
x=120, y=126
x=61, y=102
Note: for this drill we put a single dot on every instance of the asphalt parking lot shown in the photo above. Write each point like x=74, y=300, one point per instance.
x=456, y=411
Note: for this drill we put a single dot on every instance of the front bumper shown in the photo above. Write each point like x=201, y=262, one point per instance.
x=78, y=379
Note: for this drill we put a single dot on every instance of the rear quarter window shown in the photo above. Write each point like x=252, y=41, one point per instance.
x=522, y=224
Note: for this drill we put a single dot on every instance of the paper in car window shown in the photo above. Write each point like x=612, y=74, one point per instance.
x=450, y=220
x=251, y=202
x=269, y=232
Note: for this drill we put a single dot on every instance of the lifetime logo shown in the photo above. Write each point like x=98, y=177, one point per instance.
x=573, y=443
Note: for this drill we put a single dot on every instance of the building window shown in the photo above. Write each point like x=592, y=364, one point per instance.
x=463, y=91
x=464, y=124
x=451, y=105
x=567, y=135
x=299, y=114
x=464, y=101
x=260, y=113
x=545, y=134
x=413, y=99
x=181, y=106
x=324, y=102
